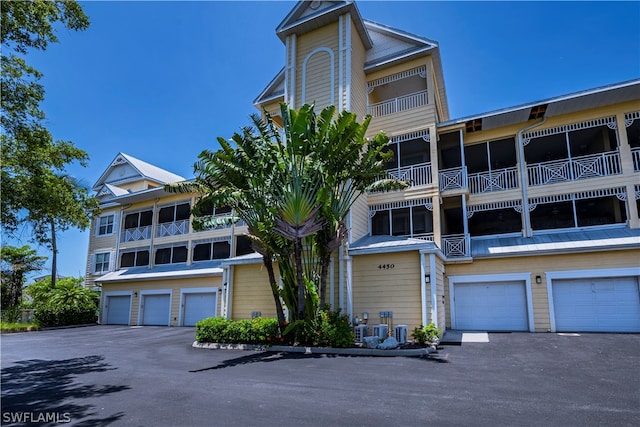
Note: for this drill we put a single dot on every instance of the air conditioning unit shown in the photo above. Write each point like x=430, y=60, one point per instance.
x=361, y=331
x=381, y=331
x=401, y=333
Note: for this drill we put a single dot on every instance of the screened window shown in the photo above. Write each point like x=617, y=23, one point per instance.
x=134, y=258
x=138, y=219
x=410, y=221
x=174, y=213
x=243, y=246
x=211, y=250
x=172, y=255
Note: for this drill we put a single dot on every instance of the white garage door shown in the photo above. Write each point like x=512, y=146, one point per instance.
x=491, y=306
x=117, y=309
x=597, y=305
x=198, y=306
x=156, y=309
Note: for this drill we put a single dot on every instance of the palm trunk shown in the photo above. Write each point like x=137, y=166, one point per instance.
x=54, y=256
x=324, y=272
x=297, y=247
x=268, y=263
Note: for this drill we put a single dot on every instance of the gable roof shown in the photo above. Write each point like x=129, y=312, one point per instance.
x=309, y=15
x=391, y=44
x=274, y=89
x=111, y=191
x=144, y=169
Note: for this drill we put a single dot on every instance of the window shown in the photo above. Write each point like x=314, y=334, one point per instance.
x=171, y=255
x=243, y=246
x=411, y=221
x=138, y=219
x=174, y=213
x=211, y=250
x=134, y=258
x=105, y=225
x=101, y=263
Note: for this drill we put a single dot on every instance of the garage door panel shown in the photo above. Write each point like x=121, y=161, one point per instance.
x=198, y=306
x=491, y=306
x=118, y=309
x=156, y=309
x=597, y=305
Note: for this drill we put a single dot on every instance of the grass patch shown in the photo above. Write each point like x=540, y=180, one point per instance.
x=6, y=327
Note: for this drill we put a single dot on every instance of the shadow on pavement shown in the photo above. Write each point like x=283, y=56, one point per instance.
x=47, y=391
x=270, y=356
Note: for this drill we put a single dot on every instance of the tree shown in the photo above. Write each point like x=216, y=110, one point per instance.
x=295, y=191
x=16, y=264
x=35, y=189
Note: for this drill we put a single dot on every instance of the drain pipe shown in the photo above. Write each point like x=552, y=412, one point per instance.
x=524, y=180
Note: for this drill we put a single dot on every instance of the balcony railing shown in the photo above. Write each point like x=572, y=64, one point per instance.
x=135, y=234
x=594, y=165
x=456, y=245
x=422, y=236
x=419, y=174
x=452, y=179
x=635, y=155
x=497, y=180
x=172, y=228
x=396, y=105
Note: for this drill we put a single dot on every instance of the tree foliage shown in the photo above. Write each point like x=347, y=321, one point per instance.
x=35, y=188
x=294, y=190
x=17, y=263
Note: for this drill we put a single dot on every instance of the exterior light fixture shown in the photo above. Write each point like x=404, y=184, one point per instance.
x=538, y=280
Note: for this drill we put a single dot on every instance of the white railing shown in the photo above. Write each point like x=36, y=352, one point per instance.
x=172, y=228
x=635, y=155
x=419, y=174
x=497, y=180
x=135, y=234
x=583, y=167
x=452, y=179
x=396, y=105
x=456, y=245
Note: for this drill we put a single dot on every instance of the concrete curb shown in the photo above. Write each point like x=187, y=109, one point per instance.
x=320, y=350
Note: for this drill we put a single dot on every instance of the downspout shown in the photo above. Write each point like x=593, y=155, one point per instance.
x=229, y=291
x=223, y=305
x=524, y=179
x=423, y=288
x=153, y=233
x=434, y=289
x=349, y=287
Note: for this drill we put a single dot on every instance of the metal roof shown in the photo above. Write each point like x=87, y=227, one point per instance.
x=170, y=271
x=381, y=244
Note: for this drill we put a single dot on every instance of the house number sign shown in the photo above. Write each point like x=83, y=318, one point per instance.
x=386, y=266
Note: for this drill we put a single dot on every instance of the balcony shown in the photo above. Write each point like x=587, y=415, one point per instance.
x=578, y=168
x=453, y=179
x=137, y=233
x=396, y=105
x=496, y=180
x=419, y=174
x=174, y=228
x=635, y=156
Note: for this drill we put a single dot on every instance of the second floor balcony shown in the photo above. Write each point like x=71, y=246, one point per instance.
x=574, y=169
x=398, y=104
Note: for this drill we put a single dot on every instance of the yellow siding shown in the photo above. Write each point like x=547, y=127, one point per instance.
x=325, y=37
x=396, y=289
x=358, y=83
x=403, y=122
x=359, y=218
x=101, y=243
x=317, y=80
x=251, y=292
x=537, y=266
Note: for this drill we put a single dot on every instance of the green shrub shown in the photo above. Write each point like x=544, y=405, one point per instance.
x=424, y=334
x=49, y=315
x=261, y=331
x=328, y=329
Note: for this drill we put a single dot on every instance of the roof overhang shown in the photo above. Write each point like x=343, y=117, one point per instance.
x=138, y=274
x=560, y=105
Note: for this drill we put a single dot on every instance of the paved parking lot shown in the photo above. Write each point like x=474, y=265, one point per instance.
x=150, y=376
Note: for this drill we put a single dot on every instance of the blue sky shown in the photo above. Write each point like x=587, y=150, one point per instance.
x=161, y=80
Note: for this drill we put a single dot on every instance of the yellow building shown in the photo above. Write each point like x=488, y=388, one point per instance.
x=522, y=219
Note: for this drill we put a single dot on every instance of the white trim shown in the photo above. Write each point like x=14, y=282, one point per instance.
x=492, y=278
x=433, y=279
x=142, y=294
x=106, y=295
x=340, y=63
x=582, y=274
x=348, y=64
x=304, y=74
x=113, y=225
x=93, y=261
x=349, y=287
x=423, y=289
x=183, y=291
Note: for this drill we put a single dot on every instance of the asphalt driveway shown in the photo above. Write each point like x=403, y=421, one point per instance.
x=150, y=376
